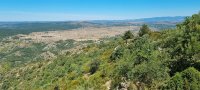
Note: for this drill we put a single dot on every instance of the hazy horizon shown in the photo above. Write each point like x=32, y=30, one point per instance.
x=91, y=19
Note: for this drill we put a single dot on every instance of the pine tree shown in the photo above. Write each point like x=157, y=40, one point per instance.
x=144, y=30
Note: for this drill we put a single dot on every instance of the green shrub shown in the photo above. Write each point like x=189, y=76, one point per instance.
x=117, y=54
x=94, y=66
x=189, y=79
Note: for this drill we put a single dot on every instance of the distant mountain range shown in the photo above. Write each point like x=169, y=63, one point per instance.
x=161, y=19
x=175, y=19
x=153, y=20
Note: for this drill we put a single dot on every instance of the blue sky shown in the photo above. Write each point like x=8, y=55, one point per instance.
x=63, y=10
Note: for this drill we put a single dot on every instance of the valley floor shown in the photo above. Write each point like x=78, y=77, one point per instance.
x=80, y=34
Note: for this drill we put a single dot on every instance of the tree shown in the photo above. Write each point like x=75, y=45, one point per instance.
x=183, y=44
x=128, y=35
x=144, y=30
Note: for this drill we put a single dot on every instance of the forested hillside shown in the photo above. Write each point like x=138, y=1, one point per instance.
x=149, y=60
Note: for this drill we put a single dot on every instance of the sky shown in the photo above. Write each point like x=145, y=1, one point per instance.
x=65, y=10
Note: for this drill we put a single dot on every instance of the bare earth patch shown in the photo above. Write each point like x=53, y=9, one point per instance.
x=80, y=34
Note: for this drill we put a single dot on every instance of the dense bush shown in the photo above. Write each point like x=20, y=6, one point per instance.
x=187, y=80
x=117, y=54
x=94, y=66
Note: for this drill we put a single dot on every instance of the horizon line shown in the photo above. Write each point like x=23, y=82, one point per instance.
x=89, y=19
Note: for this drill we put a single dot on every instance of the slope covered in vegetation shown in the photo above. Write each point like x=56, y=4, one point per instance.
x=167, y=60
